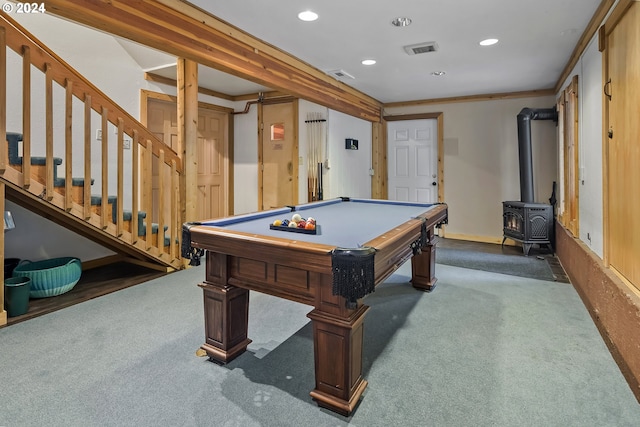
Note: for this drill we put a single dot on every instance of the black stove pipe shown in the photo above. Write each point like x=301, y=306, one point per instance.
x=524, y=147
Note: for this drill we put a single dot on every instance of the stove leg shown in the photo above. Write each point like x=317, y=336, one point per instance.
x=526, y=247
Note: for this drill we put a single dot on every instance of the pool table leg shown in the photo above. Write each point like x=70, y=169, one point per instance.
x=226, y=312
x=338, y=343
x=423, y=266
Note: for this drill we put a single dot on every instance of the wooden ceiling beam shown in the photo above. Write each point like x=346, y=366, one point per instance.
x=181, y=29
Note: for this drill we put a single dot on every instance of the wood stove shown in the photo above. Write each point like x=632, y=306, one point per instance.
x=527, y=223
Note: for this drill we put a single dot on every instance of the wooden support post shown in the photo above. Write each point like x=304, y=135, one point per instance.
x=188, y=134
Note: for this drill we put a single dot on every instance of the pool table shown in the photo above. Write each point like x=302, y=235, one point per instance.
x=357, y=244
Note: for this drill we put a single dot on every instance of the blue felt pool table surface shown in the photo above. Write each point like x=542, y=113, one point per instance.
x=347, y=224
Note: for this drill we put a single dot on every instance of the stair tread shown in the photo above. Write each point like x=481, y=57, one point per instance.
x=35, y=161
x=78, y=182
x=97, y=200
x=128, y=215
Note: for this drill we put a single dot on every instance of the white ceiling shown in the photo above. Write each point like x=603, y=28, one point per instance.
x=536, y=42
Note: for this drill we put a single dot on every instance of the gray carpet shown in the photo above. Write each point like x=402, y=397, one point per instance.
x=482, y=349
x=534, y=267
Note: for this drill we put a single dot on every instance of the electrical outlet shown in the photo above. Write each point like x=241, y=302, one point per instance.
x=98, y=134
x=126, y=143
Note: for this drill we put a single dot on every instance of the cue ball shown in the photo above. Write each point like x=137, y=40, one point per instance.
x=293, y=224
x=296, y=218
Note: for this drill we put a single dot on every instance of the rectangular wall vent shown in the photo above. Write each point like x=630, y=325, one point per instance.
x=417, y=49
x=341, y=74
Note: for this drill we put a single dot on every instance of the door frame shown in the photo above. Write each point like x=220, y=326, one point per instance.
x=146, y=95
x=296, y=150
x=384, y=146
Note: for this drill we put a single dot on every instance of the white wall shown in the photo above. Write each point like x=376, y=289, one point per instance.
x=589, y=72
x=245, y=172
x=348, y=173
x=481, y=167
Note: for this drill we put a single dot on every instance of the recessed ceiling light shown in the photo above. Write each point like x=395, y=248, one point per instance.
x=368, y=61
x=438, y=73
x=401, y=22
x=307, y=15
x=488, y=42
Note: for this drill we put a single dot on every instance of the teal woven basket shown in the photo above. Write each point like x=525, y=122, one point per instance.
x=50, y=277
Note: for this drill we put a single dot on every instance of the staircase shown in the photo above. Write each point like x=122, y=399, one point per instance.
x=119, y=204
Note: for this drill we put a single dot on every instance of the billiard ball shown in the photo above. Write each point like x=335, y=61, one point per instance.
x=285, y=222
x=302, y=224
x=277, y=223
x=296, y=218
x=292, y=224
x=310, y=226
x=311, y=220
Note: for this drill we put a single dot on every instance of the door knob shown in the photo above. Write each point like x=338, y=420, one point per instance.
x=434, y=183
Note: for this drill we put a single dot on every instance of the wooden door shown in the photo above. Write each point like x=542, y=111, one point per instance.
x=212, y=149
x=623, y=68
x=278, y=155
x=212, y=133
x=413, y=160
x=162, y=121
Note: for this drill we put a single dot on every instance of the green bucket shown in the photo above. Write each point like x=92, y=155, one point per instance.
x=16, y=295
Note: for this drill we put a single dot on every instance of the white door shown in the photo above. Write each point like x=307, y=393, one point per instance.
x=413, y=160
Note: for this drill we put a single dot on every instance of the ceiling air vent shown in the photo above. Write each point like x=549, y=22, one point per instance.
x=416, y=49
x=341, y=74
